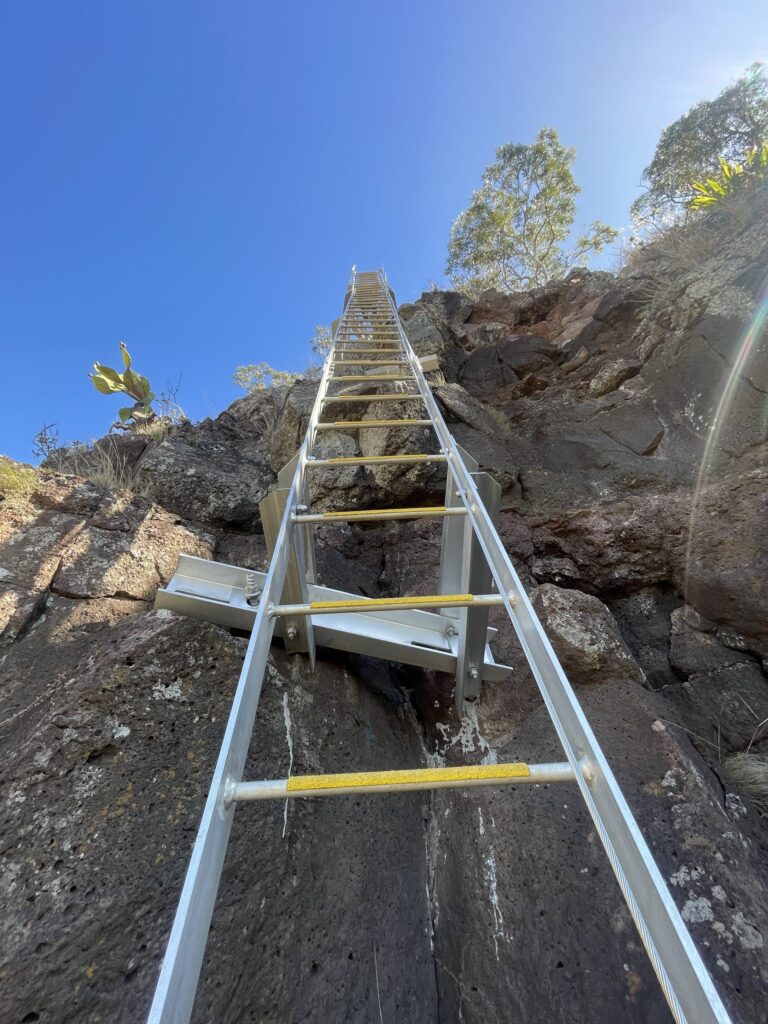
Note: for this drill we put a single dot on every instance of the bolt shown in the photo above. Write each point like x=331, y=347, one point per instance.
x=252, y=592
x=474, y=674
x=291, y=632
x=450, y=631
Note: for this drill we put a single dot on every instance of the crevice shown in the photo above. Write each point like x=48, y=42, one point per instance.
x=36, y=614
x=119, y=595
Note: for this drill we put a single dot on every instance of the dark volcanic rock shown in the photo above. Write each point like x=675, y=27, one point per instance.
x=585, y=636
x=214, y=472
x=107, y=762
x=624, y=418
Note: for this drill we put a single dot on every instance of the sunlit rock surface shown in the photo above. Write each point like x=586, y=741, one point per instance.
x=626, y=423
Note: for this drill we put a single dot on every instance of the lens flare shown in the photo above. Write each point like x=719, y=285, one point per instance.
x=747, y=351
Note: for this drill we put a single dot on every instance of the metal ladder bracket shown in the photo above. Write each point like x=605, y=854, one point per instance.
x=476, y=578
x=298, y=634
x=215, y=592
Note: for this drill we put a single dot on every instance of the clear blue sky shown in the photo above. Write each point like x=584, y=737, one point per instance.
x=198, y=177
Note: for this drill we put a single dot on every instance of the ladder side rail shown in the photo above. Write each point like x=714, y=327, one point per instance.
x=683, y=977
x=175, y=991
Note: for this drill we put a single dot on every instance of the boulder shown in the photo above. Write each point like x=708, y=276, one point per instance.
x=585, y=636
x=214, y=473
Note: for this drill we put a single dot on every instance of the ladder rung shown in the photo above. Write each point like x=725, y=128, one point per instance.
x=382, y=604
x=381, y=514
x=409, y=397
x=362, y=460
x=369, y=376
x=408, y=780
x=362, y=424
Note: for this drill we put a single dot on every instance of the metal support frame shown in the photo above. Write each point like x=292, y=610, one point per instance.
x=476, y=578
x=215, y=592
x=682, y=975
x=298, y=635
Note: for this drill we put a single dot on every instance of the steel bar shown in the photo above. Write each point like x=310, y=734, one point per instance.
x=472, y=622
x=409, y=781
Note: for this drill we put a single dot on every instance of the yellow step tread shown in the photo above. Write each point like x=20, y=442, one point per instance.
x=341, y=460
x=382, y=511
x=414, y=776
x=441, y=600
x=373, y=423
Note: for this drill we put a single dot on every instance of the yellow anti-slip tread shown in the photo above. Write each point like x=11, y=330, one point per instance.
x=369, y=376
x=372, y=423
x=381, y=511
x=340, y=459
x=422, y=599
x=414, y=776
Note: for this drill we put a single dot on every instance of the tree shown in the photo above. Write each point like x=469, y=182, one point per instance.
x=258, y=376
x=514, y=234
x=691, y=148
x=321, y=343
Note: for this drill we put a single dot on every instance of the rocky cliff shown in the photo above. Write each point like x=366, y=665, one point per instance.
x=625, y=418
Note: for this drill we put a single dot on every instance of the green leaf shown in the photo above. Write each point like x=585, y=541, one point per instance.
x=125, y=413
x=134, y=385
x=126, y=357
x=101, y=384
x=144, y=382
x=110, y=374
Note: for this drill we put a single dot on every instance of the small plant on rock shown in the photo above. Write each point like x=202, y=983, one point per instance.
x=17, y=482
x=108, y=382
x=734, y=179
x=45, y=441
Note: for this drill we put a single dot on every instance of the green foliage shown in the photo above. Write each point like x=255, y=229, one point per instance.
x=259, y=376
x=16, y=482
x=321, y=343
x=109, y=382
x=514, y=233
x=691, y=149
x=734, y=179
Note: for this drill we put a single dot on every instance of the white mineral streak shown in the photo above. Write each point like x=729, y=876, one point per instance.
x=289, y=741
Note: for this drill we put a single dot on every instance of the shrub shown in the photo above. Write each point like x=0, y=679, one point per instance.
x=734, y=180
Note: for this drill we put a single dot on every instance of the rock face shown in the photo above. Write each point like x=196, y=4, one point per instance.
x=625, y=420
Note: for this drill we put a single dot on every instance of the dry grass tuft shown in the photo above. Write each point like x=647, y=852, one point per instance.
x=103, y=465
x=17, y=482
x=749, y=771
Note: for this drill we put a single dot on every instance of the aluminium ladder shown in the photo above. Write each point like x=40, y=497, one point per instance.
x=448, y=631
